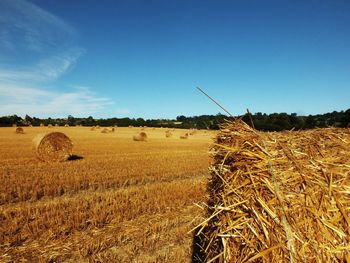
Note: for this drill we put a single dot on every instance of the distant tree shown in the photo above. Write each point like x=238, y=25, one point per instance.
x=71, y=120
x=310, y=122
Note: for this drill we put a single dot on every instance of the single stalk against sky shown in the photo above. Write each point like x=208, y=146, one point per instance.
x=214, y=101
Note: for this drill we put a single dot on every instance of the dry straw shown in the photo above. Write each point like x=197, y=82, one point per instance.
x=19, y=130
x=104, y=130
x=277, y=197
x=53, y=147
x=142, y=136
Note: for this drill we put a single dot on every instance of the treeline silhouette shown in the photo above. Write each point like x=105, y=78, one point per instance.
x=261, y=121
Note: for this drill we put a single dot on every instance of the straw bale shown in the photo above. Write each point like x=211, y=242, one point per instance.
x=42, y=125
x=19, y=130
x=193, y=132
x=277, y=197
x=104, y=130
x=142, y=136
x=168, y=134
x=56, y=125
x=66, y=125
x=92, y=128
x=49, y=125
x=184, y=136
x=53, y=147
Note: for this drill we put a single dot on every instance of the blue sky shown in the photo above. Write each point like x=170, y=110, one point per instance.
x=144, y=58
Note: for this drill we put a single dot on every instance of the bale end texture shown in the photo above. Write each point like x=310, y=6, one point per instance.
x=53, y=147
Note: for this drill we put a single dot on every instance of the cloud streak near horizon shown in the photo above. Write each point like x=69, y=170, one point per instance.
x=36, y=49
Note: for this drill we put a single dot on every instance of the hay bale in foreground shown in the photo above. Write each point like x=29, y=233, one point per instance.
x=142, y=136
x=19, y=130
x=53, y=147
x=277, y=197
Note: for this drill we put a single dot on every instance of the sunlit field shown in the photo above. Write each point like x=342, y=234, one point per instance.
x=119, y=200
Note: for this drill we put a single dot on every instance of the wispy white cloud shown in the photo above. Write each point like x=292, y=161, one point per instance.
x=29, y=27
x=45, y=70
x=37, y=49
x=43, y=103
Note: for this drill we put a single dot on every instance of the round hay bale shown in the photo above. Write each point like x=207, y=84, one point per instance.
x=49, y=126
x=168, y=134
x=56, y=125
x=92, y=128
x=104, y=130
x=184, y=136
x=142, y=136
x=42, y=125
x=113, y=129
x=66, y=125
x=19, y=130
x=53, y=147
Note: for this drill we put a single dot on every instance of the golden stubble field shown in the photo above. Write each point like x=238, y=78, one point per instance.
x=122, y=201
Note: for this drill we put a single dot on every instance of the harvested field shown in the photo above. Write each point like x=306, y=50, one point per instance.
x=277, y=197
x=121, y=201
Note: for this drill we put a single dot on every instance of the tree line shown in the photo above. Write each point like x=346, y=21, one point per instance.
x=261, y=121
